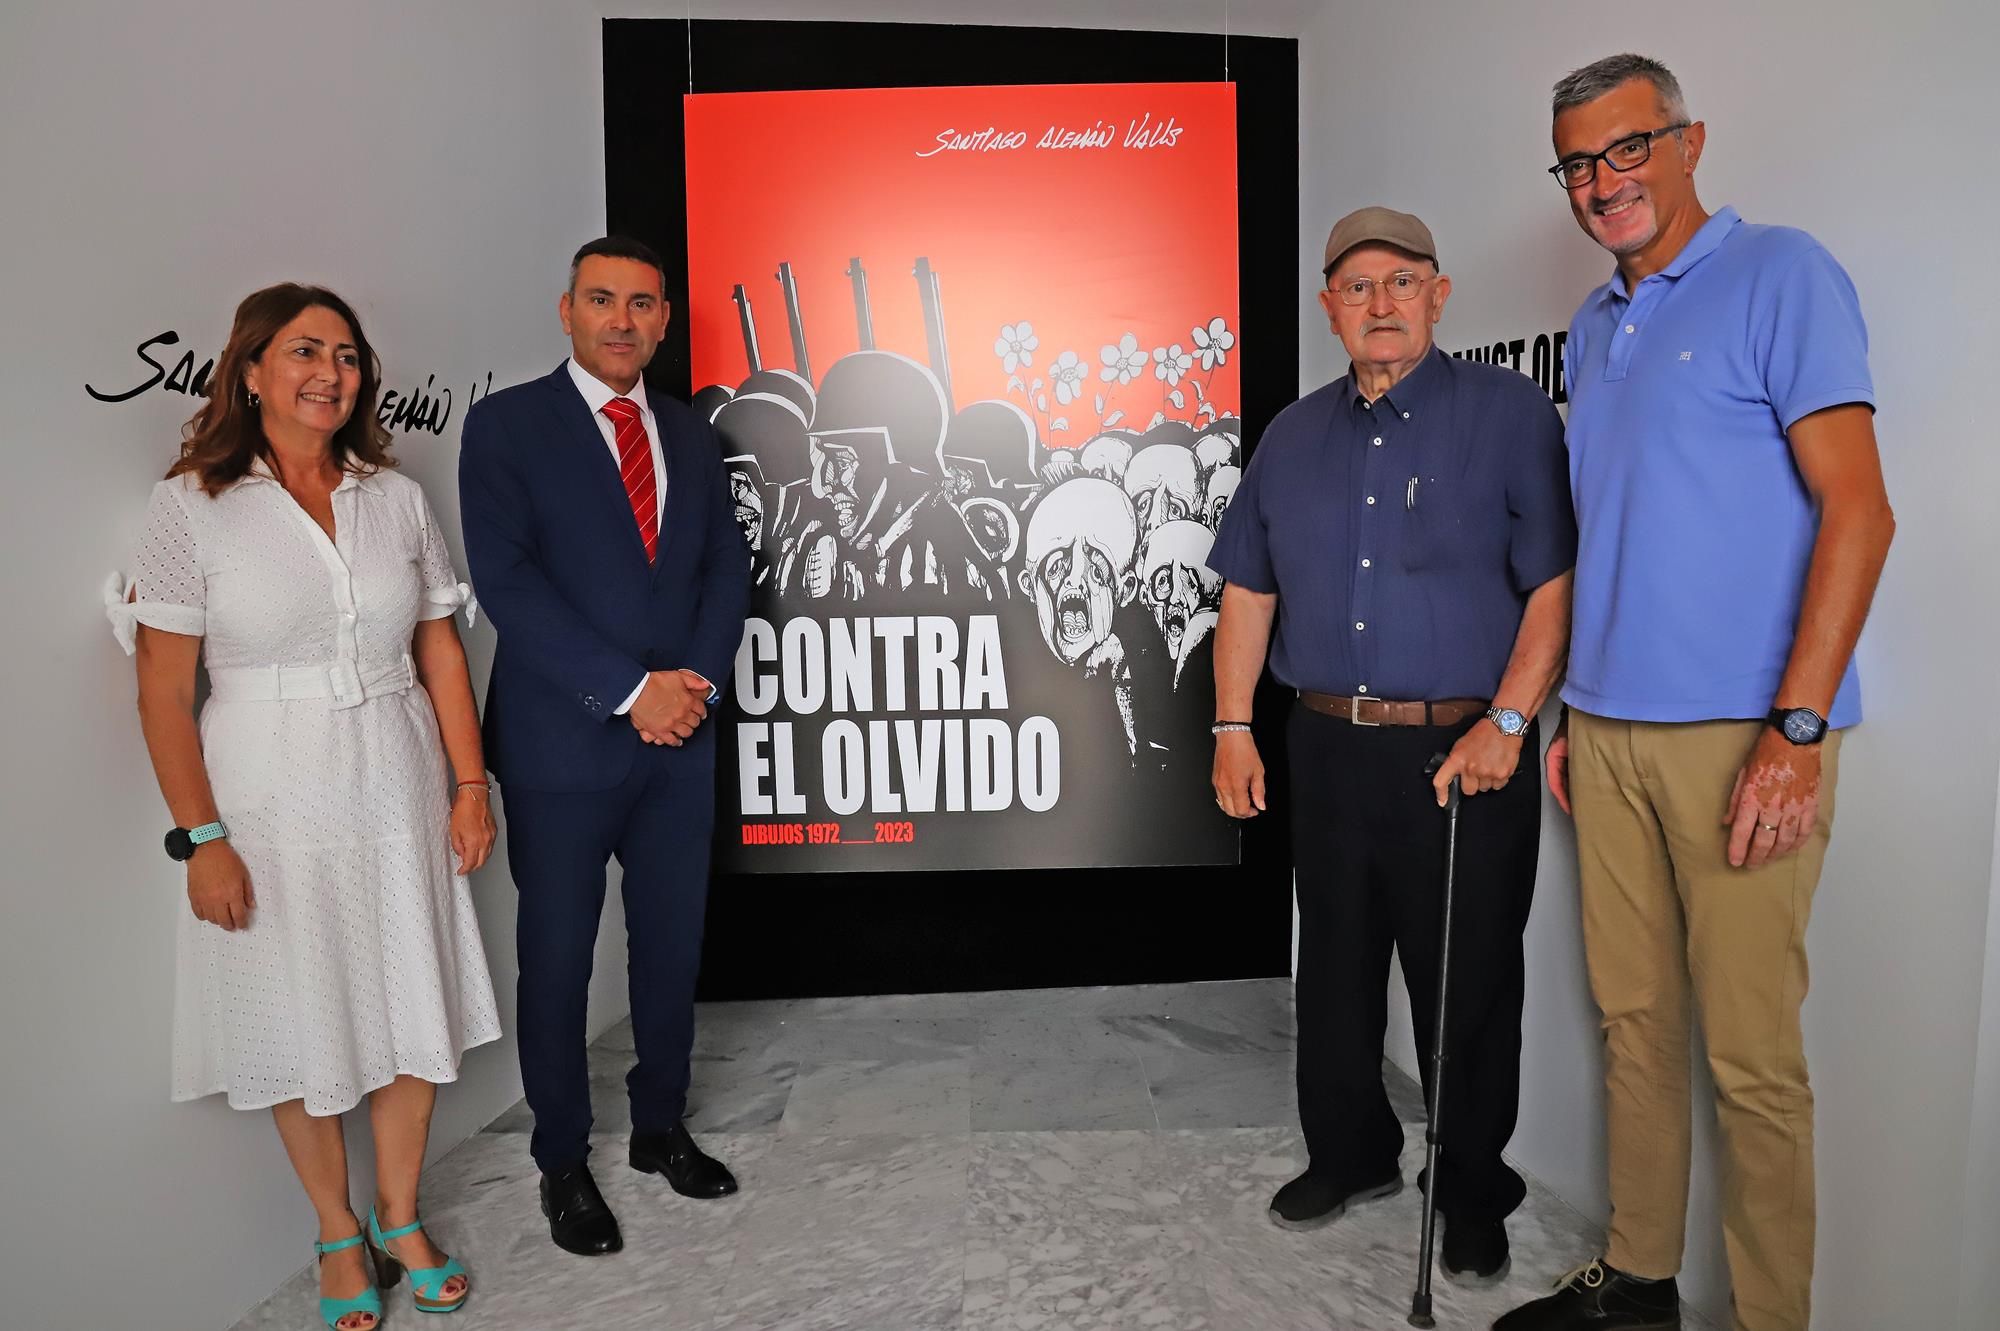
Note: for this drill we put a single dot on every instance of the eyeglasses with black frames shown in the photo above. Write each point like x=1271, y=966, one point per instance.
x=1622, y=156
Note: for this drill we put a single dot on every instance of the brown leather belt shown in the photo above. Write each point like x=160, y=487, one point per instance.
x=1382, y=712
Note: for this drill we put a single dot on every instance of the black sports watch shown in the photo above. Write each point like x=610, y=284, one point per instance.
x=1800, y=725
x=181, y=841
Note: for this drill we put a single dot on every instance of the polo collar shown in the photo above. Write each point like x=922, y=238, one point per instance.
x=1701, y=244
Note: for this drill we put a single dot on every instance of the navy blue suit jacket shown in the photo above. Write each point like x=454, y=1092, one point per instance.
x=558, y=565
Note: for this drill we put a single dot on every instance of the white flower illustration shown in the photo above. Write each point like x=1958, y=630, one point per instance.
x=1016, y=345
x=1068, y=375
x=1170, y=363
x=1124, y=362
x=1213, y=343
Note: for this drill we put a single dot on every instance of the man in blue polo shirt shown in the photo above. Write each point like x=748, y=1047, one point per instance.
x=1408, y=531
x=1732, y=528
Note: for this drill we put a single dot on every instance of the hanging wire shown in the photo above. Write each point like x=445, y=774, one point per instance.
x=690, y=26
x=1225, y=41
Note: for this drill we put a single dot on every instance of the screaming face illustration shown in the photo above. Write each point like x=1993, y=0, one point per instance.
x=1079, y=548
x=1183, y=593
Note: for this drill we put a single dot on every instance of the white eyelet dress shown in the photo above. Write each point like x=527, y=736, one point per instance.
x=362, y=959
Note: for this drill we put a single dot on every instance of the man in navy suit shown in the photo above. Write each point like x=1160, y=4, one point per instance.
x=605, y=549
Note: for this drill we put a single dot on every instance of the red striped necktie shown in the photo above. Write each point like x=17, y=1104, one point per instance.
x=635, y=468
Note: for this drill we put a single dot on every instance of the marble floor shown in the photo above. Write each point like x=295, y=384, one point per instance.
x=1045, y=1160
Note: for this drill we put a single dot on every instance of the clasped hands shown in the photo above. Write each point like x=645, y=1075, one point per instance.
x=669, y=707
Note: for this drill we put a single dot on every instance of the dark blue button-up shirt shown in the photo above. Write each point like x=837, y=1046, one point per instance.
x=1403, y=536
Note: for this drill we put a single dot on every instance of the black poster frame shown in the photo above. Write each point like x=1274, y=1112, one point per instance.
x=772, y=935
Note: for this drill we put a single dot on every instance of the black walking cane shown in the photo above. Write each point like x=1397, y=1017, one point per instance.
x=1420, y=1301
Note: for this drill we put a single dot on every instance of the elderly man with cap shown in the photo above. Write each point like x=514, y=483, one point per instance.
x=1407, y=532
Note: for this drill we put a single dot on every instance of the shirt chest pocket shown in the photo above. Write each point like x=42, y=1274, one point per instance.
x=1440, y=527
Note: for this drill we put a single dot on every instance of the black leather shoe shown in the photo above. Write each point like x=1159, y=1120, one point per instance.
x=689, y=1171
x=1312, y=1200
x=1475, y=1252
x=1596, y=1297
x=579, y=1220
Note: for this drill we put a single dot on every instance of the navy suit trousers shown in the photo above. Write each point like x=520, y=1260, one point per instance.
x=657, y=823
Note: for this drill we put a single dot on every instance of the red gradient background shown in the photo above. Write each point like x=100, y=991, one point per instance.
x=1084, y=243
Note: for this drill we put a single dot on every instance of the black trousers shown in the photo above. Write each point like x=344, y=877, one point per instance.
x=657, y=823
x=1369, y=844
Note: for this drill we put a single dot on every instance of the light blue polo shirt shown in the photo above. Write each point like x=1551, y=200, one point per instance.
x=1694, y=527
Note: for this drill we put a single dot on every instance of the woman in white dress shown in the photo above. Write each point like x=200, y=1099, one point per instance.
x=332, y=796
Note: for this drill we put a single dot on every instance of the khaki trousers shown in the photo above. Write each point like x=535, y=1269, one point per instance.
x=1671, y=931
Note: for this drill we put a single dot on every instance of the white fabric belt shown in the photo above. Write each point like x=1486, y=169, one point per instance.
x=347, y=683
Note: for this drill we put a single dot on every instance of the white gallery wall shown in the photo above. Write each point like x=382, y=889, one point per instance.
x=162, y=161
x=1854, y=121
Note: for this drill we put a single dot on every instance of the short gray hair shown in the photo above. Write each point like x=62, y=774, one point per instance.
x=1599, y=77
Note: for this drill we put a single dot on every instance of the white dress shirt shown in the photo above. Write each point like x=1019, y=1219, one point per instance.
x=595, y=394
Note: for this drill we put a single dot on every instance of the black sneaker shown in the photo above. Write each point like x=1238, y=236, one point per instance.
x=1312, y=1200
x=1475, y=1252
x=1596, y=1297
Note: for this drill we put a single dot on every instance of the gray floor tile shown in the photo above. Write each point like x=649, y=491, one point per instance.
x=860, y=1231
x=1078, y=1230
x=856, y=1039
x=1051, y=1160
x=1199, y=1090
x=1084, y=1038
x=905, y=1097
x=748, y=1096
x=1011, y=1094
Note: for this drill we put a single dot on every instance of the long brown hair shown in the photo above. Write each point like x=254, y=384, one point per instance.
x=222, y=440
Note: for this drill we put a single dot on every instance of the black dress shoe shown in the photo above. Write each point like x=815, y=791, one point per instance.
x=1312, y=1200
x=1596, y=1297
x=688, y=1170
x=579, y=1220
x=1475, y=1251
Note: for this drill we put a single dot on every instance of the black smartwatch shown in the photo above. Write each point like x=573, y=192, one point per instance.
x=181, y=841
x=1800, y=725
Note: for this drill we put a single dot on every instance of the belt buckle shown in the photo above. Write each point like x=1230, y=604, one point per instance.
x=1354, y=712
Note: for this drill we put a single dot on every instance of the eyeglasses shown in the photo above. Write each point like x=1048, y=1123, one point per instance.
x=1624, y=155
x=1361, y=290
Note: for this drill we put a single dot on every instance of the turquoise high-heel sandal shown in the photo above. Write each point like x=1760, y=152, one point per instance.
x=367, y=1301
x=425, y=1282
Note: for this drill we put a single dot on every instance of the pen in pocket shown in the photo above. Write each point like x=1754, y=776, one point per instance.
x=1410, y=494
